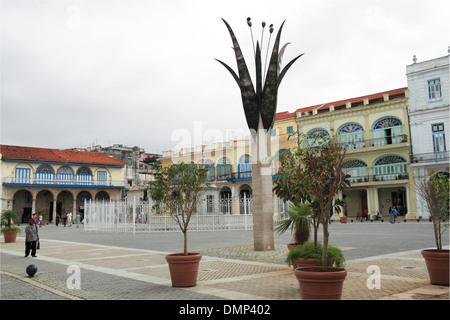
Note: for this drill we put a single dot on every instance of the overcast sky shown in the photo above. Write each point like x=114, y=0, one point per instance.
x=142, y=72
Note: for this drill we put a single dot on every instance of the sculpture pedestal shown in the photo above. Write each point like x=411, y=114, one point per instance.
x=262, y=207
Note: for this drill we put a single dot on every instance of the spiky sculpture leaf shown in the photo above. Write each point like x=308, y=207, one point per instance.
x=262, y=101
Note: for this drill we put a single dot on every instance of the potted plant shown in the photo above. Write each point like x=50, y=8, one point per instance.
x=320, y=175
x=10, y=232
x=177, y=190
x=299, y=221
x=434, y=189
x=311, y=255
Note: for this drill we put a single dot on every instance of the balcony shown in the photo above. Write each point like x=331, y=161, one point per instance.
x=430, y=157
x=70, y=183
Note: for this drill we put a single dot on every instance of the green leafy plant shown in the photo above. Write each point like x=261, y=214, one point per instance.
x=310, y=250
x=299, y=221
x=9, y=215
x=177, y=190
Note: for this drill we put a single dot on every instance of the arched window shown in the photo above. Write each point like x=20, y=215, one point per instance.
x=357, y=169
x=64, y=175
x=390, y=167
x=387, y=130
x=244, y=166
x=84, y=176
x=351, y=136
x=316, y=136
x=45, y=174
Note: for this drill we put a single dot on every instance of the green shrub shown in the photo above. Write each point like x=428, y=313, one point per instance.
x=308, y=251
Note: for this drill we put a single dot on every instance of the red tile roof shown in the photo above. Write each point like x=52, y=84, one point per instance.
x=56, y=155
x=285, y=114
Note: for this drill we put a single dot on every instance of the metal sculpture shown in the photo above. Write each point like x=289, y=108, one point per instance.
x=260, y=107
x=262, y=101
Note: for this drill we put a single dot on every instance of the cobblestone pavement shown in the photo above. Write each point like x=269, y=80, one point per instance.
x=133, y=267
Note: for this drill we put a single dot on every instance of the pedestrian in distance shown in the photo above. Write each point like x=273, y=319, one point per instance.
x=391, y=215
x=395, y=214
x=64, y=219
x=31, y=238
x=69, y=219
x=78, y=219
x=40, y=220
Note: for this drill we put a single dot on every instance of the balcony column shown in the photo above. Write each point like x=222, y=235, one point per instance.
x=376, y=202
x=74, y=210
x=33, y=205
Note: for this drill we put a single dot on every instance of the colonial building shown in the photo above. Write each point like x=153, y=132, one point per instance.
x=53, y=182
x=429, y=111
x=374, y=129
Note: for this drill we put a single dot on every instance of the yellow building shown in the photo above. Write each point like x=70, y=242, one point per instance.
x=374, y=129
x=54, y=182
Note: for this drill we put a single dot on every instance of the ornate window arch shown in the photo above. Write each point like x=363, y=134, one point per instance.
x=387, y=122
x=350, y=128
x=390, y=167
x=65, y=175
x=84, y=176
x=317, y=132
x=357, y=169
x=45, y=174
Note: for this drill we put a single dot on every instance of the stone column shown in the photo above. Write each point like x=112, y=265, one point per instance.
x=262, y=207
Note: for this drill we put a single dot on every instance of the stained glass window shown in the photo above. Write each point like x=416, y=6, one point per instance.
x=386, y=123
x=350, y=128
x=317, y=133
x=390, y=159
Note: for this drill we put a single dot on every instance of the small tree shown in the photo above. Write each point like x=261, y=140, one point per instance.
x=434, y=190
x=177, y=189
x=316, y=174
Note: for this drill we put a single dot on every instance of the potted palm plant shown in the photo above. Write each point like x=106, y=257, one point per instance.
x=299, y=221
x=434, y=189
x=177, y=190
x=10, y=232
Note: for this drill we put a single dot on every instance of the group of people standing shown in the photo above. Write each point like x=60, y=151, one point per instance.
x=67, y=219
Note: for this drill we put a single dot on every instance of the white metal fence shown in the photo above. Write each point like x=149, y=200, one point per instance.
x=139, y=216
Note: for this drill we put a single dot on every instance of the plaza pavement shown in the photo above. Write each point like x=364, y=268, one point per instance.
x=118, y=266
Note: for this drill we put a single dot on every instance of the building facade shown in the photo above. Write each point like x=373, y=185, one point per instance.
x=374, y=129
x=429, y=111
x=53, y=182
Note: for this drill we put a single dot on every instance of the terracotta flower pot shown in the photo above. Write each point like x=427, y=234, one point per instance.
x=183, y=269
x=10, y=236
x=437, y=265
x=315, y=283
x=302, y=262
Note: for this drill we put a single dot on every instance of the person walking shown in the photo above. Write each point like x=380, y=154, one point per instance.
x=64, y=219
x=40, y=220
x=31, y=238
x=69, y=219
x=78, y=219
x=395, y=214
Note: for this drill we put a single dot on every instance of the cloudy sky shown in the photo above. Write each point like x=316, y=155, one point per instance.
x=142, y=72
